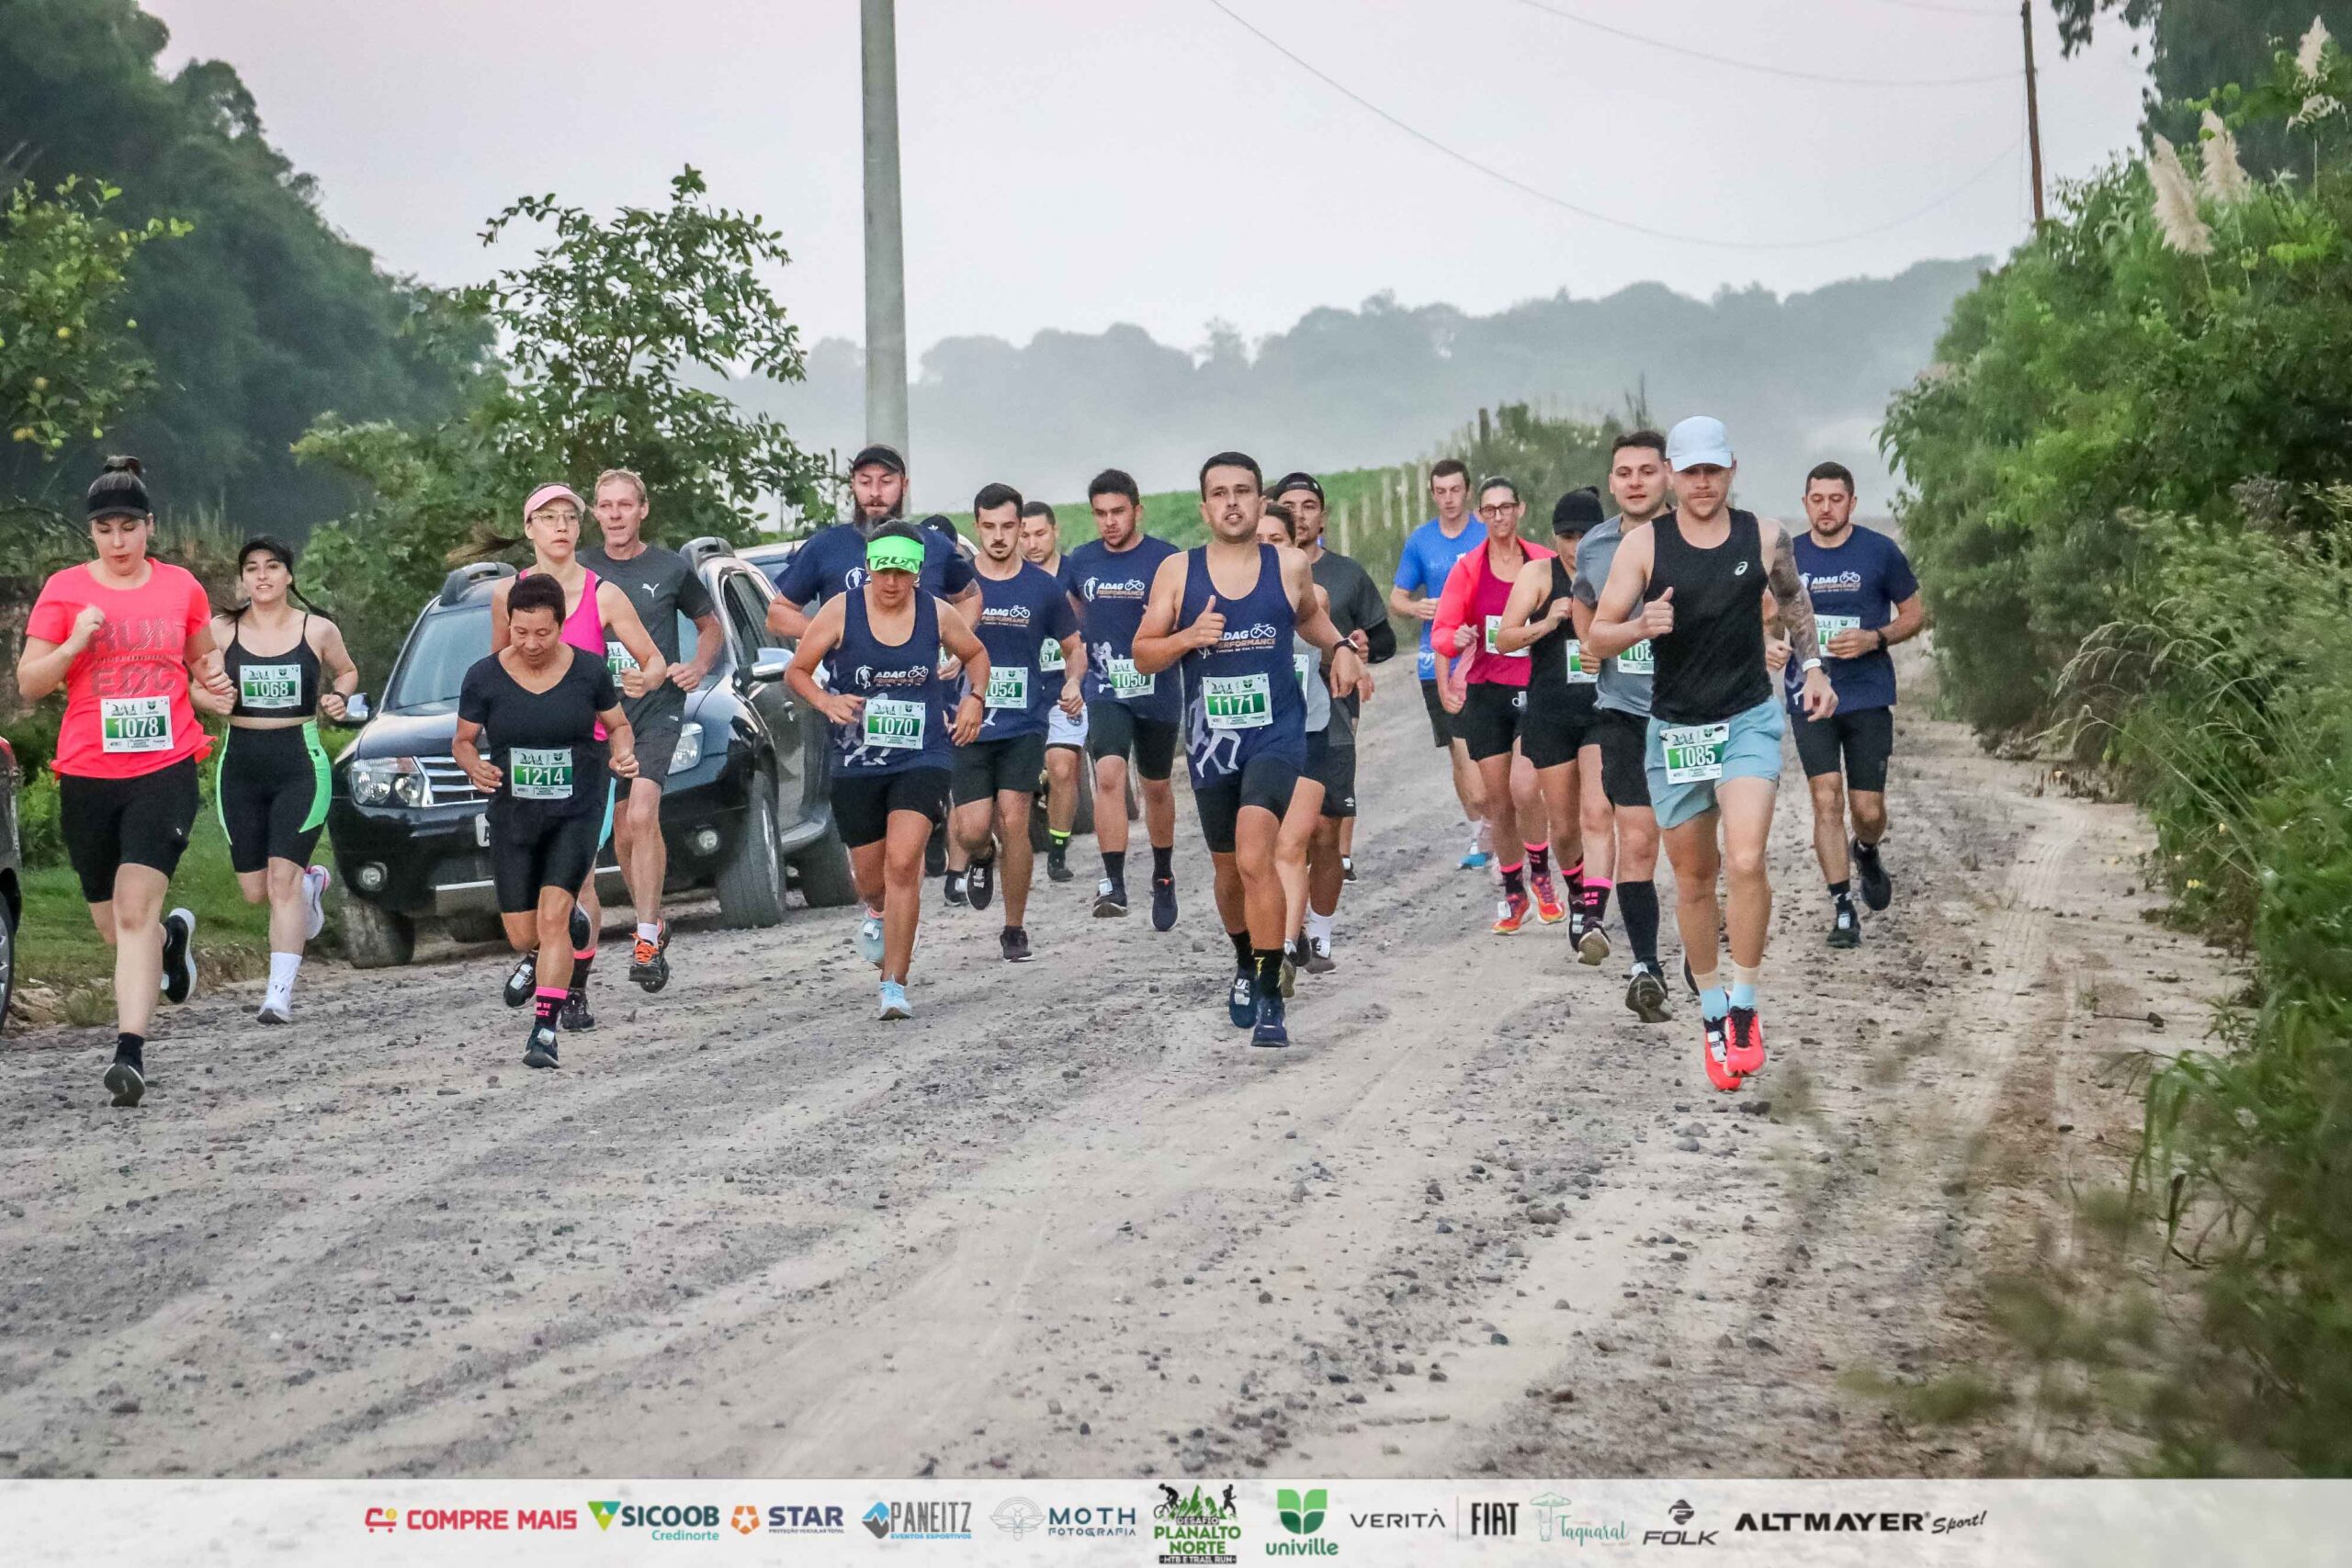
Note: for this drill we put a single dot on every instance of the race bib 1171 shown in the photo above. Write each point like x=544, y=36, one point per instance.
x=1237, y=702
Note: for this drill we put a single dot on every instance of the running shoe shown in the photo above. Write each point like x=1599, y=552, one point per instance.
x=1645, y=995
x=895, y=1005
x=648, y=966
x=1057, y=863
x=523, y=980
x=1319, y=955
x=1714, y=1051
x=1163, y=902
x=126, y=1079
x=956, y=895
x=314, y=898
x=540, y=1050
x=1241, y=1000
x=1548, y=908
x=1592, y=939
x=1015, y=943
x=179, y=956
x=1270, y=1030
x=1110, y=898
x=1475, y=858
x=869, y=938
x=276, y=1007
x=1511, y=913
x=1878, y=888
x=1347, y=868
x=1745, y=1051
x=1846, y=928
x=575, y=1015
x=979, y=883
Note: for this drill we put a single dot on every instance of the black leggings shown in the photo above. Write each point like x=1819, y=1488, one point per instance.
x=110, y=823
x=272, y=794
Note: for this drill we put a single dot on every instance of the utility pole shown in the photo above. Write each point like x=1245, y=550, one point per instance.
x=2033, y=104
x=885, y=269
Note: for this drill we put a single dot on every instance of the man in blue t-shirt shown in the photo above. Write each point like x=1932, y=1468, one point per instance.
x=1865, y=600
x=832, y=560
x=1422, y=569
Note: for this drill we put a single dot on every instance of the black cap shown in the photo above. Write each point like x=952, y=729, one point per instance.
x=1577, y=511
x=119, y=490
x=1295, y=480
x=886, y=455
x=939, y=523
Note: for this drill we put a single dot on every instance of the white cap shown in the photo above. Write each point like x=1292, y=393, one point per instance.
x=1696, y=442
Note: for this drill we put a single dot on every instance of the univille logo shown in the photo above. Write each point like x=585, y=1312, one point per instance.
x=605, y=1513
x=1301, y=1516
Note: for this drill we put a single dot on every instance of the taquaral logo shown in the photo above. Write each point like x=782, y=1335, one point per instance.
x=1555, y=1522
x=1301, y=1513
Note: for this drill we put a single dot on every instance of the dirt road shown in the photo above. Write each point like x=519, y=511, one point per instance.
x=1068, y=1222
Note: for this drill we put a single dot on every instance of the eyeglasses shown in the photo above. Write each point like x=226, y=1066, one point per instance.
x=1500, y=509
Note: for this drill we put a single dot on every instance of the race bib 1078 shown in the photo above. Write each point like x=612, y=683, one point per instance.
x=135, y=724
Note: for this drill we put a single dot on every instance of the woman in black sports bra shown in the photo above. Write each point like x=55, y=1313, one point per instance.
x=287, y=666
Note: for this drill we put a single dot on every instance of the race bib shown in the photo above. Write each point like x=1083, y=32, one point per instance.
x=542, y=773
x=618, y=660
x=1008, y=688
x=135, y=724
x=1494, y=624
x=894, y=723
x=1639, y=660
x=1049, y=656
x=1126, y=683
x=1577, y=676
x=1830, y=626
x=1237, y=702
x=270, y=686
x=1694, y=752
x=1307, y=665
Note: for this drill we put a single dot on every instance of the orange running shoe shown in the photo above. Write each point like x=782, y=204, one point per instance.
x=1511, y=913
x=1548, y=908
x=1714, y=1051
x=648, y=966
x=1746, y=1050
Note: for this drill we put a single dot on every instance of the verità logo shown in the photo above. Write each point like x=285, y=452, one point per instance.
x=1300, y=1513
x=605, y=1513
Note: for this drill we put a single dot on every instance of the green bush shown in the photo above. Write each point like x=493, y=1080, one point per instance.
x=41, y=842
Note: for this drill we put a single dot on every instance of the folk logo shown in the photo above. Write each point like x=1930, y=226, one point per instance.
x=1300, y=1513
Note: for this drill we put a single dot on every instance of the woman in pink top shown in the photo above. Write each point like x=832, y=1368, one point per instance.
x=1494, y=704
x=130, y=640
x=598, y=619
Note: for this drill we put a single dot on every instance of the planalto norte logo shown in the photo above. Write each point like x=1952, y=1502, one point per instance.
x=1196, y=1528
x=1301, y=1513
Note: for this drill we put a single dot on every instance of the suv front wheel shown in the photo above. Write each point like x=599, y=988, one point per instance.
x=750, y=880
x=375, y=939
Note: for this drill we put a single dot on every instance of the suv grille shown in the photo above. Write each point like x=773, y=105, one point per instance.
x=450, y=786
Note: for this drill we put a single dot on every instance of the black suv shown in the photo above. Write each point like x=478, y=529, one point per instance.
x=12, y=889
x=745, y=809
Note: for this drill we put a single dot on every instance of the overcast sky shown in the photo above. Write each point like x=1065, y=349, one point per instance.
x=1070, y=163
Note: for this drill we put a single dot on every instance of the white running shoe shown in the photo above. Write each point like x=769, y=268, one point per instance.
x=277, y=1006
x=869, y=938
x=314, y=895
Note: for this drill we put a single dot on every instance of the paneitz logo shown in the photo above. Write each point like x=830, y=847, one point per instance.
x=605, y=1513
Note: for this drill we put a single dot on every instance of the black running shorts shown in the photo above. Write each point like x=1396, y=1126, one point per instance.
x=1857, y=744
x=1264, y=781
x=110, y=823
x=863, y=802
x=553, y=851
x=985, y=767
x=1491, y=719
x=1624, y=772
x=271, y=795
x=1558, y=725
x=1445, y=727
x=657, y=746
x=1115, y=729
x=1336, y=771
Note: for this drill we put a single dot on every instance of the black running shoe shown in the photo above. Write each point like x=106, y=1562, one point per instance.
x=575, y=1015
x=1878, y=888
x=954, y=888
x=649, y=966
x=179, y=959
x=1270, y=1030
x=1163, y=902
x=1347, y=868
x=125, y=1080
x=1057, y=863
x=523, y=981
x=979, y=884
x=1646, y=996
x=1110, y=898
x=1846, y=928
x=1241, y=1000
x=1015, y=943
x=541, y=1051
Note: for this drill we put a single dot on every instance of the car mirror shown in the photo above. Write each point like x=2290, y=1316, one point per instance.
x=771, y=664
x=355, y=709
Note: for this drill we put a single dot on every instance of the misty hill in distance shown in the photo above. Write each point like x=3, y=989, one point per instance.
x=1798, y=378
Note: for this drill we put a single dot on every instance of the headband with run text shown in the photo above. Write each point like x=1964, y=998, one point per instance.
x=890, y=553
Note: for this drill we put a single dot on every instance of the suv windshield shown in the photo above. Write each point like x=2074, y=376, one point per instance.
x=446, y=645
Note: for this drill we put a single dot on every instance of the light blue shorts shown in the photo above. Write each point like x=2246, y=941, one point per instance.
x=1751, y=751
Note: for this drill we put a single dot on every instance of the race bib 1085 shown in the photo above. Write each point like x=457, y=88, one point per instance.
x=1693, y=752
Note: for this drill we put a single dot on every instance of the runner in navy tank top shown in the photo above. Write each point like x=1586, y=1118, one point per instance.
x=1228, y=612
x=893, y=739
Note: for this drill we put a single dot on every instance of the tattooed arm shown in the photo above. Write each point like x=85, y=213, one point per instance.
x=1796, y=617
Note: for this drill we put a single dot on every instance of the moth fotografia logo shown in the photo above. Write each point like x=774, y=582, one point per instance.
x=1301, y=1513
x=1018, y=1517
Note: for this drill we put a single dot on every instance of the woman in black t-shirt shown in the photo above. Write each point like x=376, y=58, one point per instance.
x=538, y=702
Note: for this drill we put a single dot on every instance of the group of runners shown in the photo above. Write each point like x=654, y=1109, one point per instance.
x=1620, y=688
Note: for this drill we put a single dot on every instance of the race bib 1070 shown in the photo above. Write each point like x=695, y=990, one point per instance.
x=894, y=724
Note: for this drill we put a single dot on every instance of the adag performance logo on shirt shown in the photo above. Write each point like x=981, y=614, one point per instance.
x=1095, y=588
x=1847, y=582
x=1248, y=639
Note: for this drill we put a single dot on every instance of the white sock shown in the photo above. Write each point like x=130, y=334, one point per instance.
x=648, y=931
x=282, y=968
x=1318, y=927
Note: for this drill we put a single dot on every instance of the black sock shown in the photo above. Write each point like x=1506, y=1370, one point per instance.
x=1114, y=865
x=1163, y=862
x=580, y=974
x=1241, y=948
x=131, y=1048
x=1841, y=891
x=1539, y=859
x=1060, y=840
x=1512, y=880
x=1867, y=851
x=1639, y=902
x=1270, y=971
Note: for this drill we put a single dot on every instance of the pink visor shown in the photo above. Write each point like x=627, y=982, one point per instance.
x=546, y=493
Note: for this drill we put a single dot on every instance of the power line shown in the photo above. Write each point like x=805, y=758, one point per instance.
x=1794, y=75
x=1990, y=14
x=1581, y=211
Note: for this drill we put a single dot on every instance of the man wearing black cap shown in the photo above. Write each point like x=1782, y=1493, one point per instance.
x=1358, y=610
x=832, y=560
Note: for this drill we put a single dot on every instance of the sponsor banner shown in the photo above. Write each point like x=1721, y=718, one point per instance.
x=1192, y=1519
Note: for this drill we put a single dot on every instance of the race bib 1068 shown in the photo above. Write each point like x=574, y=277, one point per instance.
x=539, y=772
x=1693, y=752
x=270, y=686
x=1008, y=687
x=1125, y=680
x=135, y=724
x=894, y=724
x=1237, y=702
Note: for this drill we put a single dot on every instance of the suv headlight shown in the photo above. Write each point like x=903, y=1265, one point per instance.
x=689, y=752
x=389, y=781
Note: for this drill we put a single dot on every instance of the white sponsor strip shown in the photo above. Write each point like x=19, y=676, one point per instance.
x=2001, y=1524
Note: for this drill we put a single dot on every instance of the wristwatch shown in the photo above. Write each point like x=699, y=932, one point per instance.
x=1880, y=633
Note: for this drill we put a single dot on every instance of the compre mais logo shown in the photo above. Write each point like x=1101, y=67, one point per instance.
x=384, y=1518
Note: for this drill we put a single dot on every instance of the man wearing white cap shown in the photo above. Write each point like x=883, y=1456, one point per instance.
x=1691, y=582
